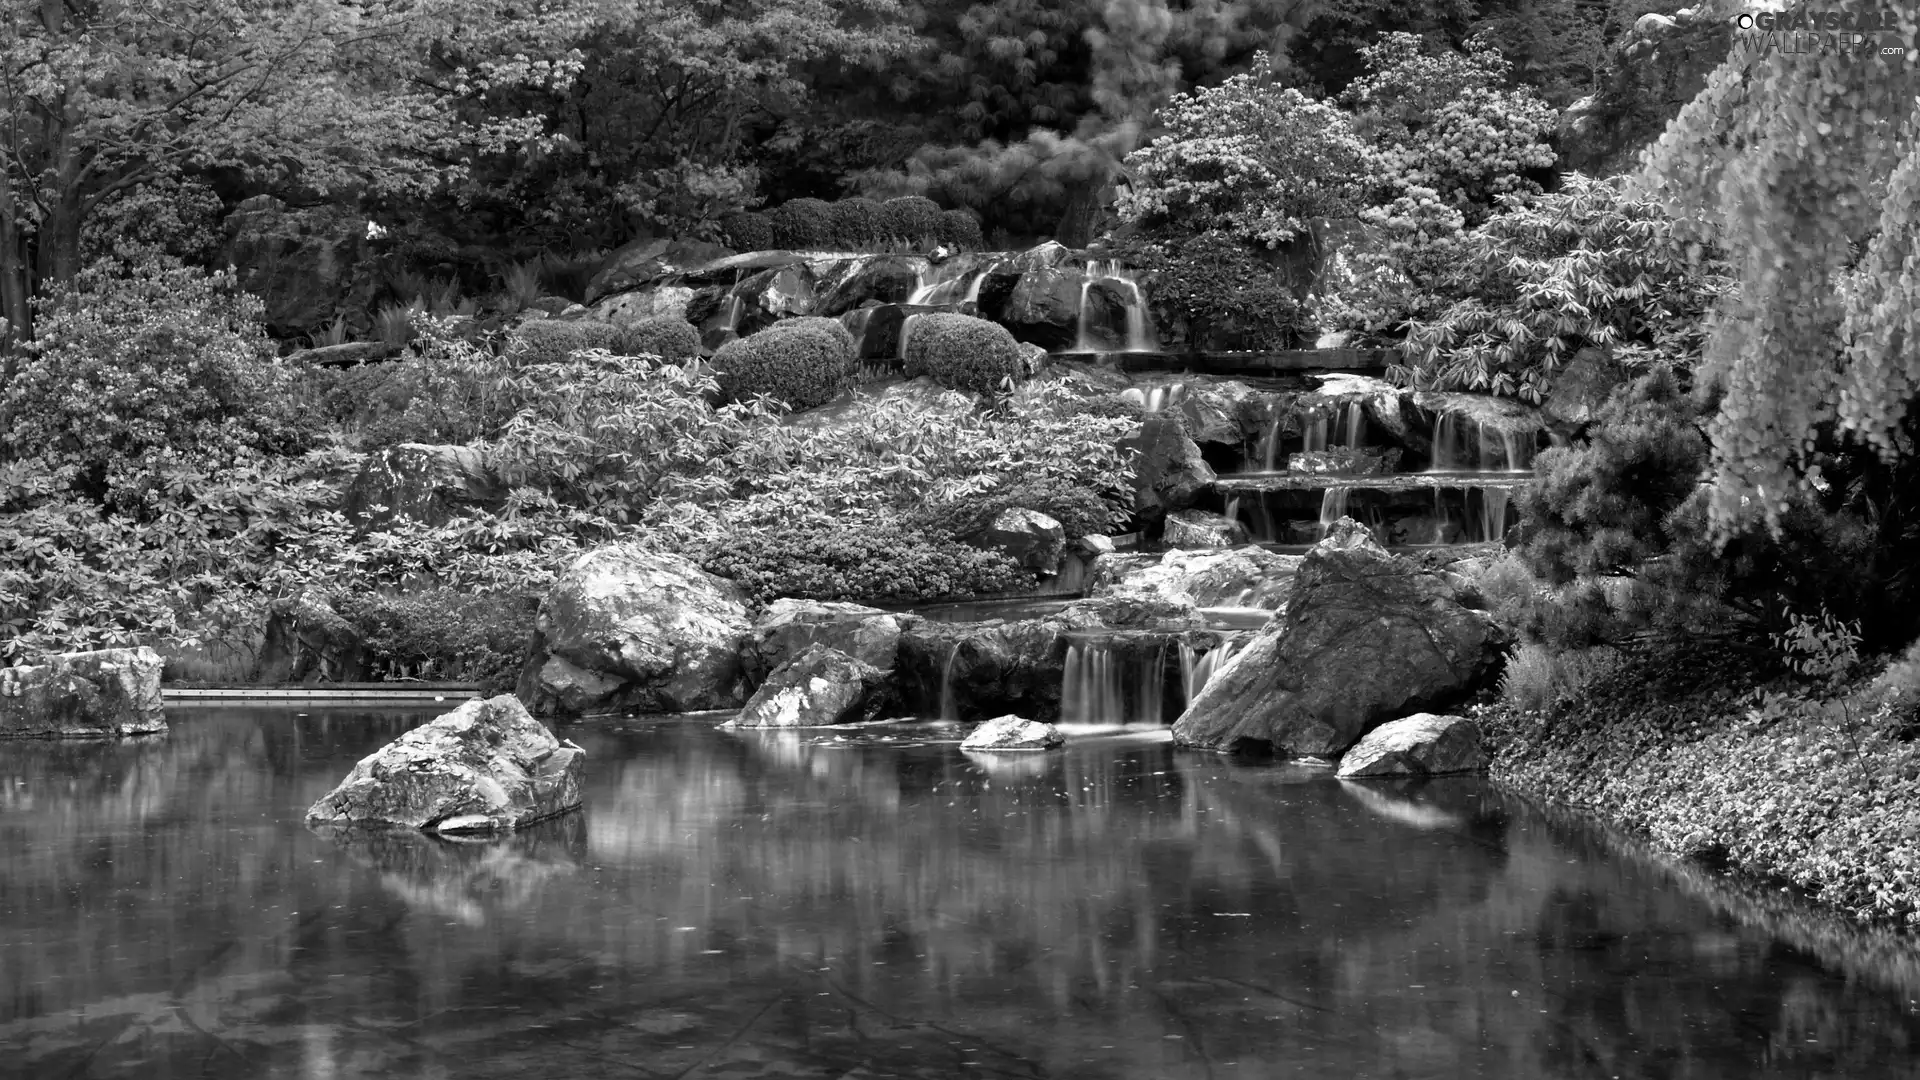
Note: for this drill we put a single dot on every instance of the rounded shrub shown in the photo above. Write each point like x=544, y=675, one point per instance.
x=802, y=224
x=912, y=218
x=549, y=341
x=857, y=224
x=960, y=230
x=663, y=336
x=803, y=362
x=747, y=231
x=962, y=352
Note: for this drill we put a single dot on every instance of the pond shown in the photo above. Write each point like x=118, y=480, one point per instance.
x=868, y=904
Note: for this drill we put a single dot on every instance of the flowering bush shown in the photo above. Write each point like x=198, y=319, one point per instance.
x=1246, y=158
x=142, y=364
x=1448, y=124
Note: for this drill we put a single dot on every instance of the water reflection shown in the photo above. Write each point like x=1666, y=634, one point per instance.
x=867, y=903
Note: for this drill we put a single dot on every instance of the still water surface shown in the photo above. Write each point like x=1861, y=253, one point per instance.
x=861, y=906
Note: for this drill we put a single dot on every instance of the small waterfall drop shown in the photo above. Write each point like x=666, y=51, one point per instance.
x=1333, y=507
x=949, y=708
x=1315, y=436
x=906, y=332
x=1158, y=398
x=1139, y=337
x=1197, y=667
x=1097, y=687
x=1493, y=514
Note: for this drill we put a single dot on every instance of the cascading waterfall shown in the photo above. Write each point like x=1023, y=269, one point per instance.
x=949, y=708
x=1354, y=425
x=1094, y=687
x=1138, y=337
x=1159, y=397
x=906, y=333
x=949, y=288
x=1464, y=444
x=1333, y=507
x=1315, y=436
x=736, y=307
x=1197, y=667
x=1493, y=514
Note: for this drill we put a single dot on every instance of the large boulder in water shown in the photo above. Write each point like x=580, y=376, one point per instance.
x=658, y=634
x=103, y=693
x=788, y=628
x=820, y=688
x=486, y=766
x=1366, y=637
x=1012, y=733
x=1419, y=745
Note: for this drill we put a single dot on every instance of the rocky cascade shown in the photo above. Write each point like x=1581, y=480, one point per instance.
x=99, y=694
x=486, y=766
x=1242, y=577
x=626, y=629
x=1366, y=637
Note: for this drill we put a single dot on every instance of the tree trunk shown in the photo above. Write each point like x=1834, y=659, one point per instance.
x=16, y=278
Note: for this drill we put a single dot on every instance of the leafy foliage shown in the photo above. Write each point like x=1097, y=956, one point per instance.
x=1789, y=160
x=858, y=224
x=1249, y=159
x=144, y=364
x=441, y=634
x=879, y=561
x=1211, y=286
x=960, y=231
x=962, y=352
x=802, y=362
x=1503, y=306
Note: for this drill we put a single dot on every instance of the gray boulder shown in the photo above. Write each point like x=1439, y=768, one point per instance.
x=1366, y=637
x=788, y=628
x=103, y=693
x=1249, y=576
x=1171, y=473
x=661, y=634
x=820, y=688
x=1013, y=733
x=1028, y=537
x=1423, y=744
x=1201, y=529
x=307, y=641
x=486, y=766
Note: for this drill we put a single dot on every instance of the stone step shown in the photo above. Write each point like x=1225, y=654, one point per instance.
x=1447, y=481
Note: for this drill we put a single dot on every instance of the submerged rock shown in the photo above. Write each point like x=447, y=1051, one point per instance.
x=789, y=628
x=820, y=688
x=1013, y=733
x=1418, y=745
x=659, y=633
x=486, y=766
x=104, y=693
x=1366, y=636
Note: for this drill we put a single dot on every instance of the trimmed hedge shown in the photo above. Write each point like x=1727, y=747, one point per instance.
x=802, y=225
x=803, y=362
x=870, y=562
x=663, y=336
x=857, y=224
x=962, y=352
x=912, y=218
x=747, y=231
x=548, y=341
x=960, y=230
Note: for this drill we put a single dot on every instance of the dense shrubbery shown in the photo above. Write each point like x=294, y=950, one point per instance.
x=857, y=224
x=1210, y=286
x=662, y=335
x=1079, y=511
x=1248, y=159
x=1501, y=307
x=960, y=231
x=802, y=225
x=441, y=635
x=746, y=231
x=142, y=366
x=802, y=362
x=911, y=219
x=962, y=352
x=879, y=561
x=547, y=341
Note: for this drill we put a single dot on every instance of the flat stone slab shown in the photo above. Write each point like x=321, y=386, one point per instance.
x=487, y=766
x=105, y=693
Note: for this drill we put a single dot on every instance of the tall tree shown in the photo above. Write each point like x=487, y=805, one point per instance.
x=98, y=96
